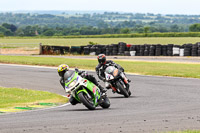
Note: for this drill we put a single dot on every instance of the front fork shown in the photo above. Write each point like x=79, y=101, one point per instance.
x=124, y=77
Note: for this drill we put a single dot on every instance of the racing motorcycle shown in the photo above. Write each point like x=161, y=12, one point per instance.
x=84, y=91
x=117, y=80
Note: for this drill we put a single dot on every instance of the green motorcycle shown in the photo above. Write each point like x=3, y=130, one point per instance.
x=84, y=91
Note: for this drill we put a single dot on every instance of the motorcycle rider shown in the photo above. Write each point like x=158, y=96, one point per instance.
x=63, y=68
x=101, y=67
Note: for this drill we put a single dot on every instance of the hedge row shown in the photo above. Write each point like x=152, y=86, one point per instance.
x=132, y=35
x=124, y=49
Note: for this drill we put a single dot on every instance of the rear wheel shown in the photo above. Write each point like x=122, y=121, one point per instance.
x=86, y=100
x=122, y=89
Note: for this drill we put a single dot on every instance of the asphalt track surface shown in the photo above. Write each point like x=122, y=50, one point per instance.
x=157, y=104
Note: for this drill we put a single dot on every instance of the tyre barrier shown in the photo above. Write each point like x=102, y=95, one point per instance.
x=123, y=49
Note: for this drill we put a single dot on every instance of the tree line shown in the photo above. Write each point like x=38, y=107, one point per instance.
x=27, y=24
x=36, y=30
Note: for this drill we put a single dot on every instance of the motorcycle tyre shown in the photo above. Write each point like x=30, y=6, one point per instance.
x=122, y=89
x=84, y=99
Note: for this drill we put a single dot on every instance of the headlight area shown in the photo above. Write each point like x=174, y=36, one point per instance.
x=72, y=84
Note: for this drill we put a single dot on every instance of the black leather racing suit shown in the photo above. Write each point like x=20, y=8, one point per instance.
x=100, y=68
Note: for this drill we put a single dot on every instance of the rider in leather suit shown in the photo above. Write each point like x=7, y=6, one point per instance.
x=101, y=67
x=63, y=68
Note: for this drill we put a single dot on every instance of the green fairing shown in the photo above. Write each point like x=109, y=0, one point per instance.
x=75, y=77
x=90, y=86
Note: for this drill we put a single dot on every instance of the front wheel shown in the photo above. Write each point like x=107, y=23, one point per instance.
x=87, y=101
x=122, y=89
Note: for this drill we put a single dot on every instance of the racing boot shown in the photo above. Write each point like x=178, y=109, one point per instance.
x=73, y=101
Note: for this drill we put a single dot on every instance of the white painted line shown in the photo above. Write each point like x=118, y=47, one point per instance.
x=42, y=109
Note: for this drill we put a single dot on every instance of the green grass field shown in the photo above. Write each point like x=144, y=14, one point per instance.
x=34, y=42
x=184, y=132
x=138, y=67
x=11, y=97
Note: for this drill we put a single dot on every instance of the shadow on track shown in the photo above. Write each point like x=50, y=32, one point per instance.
x=117, y=97
x=85, y=110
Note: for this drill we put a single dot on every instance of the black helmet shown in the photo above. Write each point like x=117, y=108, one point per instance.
x=101, y=58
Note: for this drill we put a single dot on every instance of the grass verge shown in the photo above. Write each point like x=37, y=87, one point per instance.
x=138, y=67
x=12, y=97
x=185, y=132
x=34, y=42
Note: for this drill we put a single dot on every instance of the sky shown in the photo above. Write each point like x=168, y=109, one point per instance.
x=133, y=6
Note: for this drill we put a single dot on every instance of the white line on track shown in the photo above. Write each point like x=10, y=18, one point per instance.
x=42, y=109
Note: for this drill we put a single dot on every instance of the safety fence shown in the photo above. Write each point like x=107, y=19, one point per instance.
x=123, y=49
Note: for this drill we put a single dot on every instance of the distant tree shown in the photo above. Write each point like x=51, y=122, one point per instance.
x=125, y=31
x=12, y=27
x=174, y=28
x=146, y=30
x=49, y=33
x=19, y=32
x=2, y=29
x=195, y=28
x=29, y=31
x=8, y=33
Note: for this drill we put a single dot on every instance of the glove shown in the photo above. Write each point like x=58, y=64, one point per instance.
x=84, y=74
x=76, y=69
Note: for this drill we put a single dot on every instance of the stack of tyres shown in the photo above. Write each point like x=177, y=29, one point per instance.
x=152, y=50
x=98, y=49
x=54, y=50
x=66, y=49
x=86, y=51
x=142, y=48
x=127, y=53
x=115, y=49
x=194, y=50
x=110, y=50
x=103, y=49
x=133, y=50
x=198, y=48
x=164, y=50
x=170, y=49
x=137, y=50
x=75, y=50
x=127, y=50
x=121, y=48
x=158, y=50
x=82, y=49
x=187, y=49
x=93, y=50
x=107, y=50
x=146, y=50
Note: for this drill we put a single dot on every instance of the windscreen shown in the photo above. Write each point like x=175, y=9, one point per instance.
x=68, y=76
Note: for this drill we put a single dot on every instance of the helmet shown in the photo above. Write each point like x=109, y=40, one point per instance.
x=62, y=69
x=101, y=58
